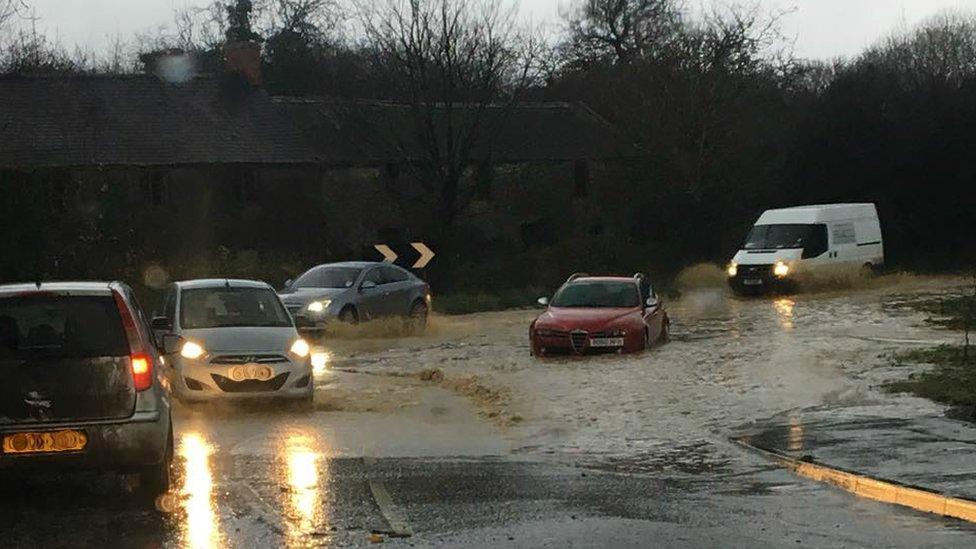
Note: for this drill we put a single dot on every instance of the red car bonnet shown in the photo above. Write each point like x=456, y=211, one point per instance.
x=590, y=319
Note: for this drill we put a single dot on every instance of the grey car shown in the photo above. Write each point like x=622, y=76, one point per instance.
x=356, y=291
x=82, y=384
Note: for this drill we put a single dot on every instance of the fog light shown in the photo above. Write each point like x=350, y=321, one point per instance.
x=781, y=269
x=732, y=270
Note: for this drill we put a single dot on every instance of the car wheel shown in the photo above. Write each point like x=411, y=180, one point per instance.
x=417, y=321
x=154, y=480
x=349, y=316
x=665, y=332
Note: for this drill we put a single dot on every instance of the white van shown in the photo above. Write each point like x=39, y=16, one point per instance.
x=792, y=242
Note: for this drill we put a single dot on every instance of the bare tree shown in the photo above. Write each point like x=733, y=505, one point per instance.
x=622, y=29
x=450, y=61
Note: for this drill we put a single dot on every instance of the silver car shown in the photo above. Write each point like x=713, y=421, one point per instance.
x=356, y=291
x=232, y=339
x=81, y=383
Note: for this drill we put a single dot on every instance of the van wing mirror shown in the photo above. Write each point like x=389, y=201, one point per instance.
x=544, y=301
x=162, y=324
x=170, y=344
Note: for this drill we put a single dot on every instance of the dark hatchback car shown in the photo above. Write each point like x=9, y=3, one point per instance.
x=80, y=383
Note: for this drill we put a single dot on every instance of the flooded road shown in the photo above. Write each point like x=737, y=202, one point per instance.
x=459, y=437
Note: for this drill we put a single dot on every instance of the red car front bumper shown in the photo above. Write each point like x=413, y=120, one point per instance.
x=579, y=342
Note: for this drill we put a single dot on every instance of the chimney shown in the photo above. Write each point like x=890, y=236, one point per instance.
x=244, y=58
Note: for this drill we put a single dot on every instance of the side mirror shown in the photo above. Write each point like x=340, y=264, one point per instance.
x=171, y=344
x=652, y=301
x=288, y=283
x=544, y=301
x=162, y=324
x=368, y=285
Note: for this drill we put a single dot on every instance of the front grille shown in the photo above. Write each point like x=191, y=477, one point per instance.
x=248, y=359
x=754, y=271
x=578, y=340
x=228, y=385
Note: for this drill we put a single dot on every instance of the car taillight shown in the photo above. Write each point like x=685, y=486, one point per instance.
x=139, y=360
x=141, y=371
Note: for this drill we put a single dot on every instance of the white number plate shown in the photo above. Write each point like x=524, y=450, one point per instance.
x=607, y=342
x=250, y=372
x=752, y=282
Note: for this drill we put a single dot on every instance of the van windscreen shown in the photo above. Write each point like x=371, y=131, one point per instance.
x=56, y=326
x=786, y=236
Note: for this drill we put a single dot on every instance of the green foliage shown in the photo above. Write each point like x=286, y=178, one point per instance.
x=952, y=380
x=465, y=303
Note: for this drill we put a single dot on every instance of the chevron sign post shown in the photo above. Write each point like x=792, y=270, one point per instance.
x=424, y=257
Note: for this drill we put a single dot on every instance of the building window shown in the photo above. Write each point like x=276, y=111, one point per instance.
x=59, y=190
x=156, y=187
x=581, y=179
x=244, y=185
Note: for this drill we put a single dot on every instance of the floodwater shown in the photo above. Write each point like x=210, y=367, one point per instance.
x=731, y=361
x=462, y=437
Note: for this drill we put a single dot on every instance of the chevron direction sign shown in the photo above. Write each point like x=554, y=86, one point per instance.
x=425, y=254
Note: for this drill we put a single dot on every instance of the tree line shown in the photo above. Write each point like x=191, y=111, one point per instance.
x=730, y=121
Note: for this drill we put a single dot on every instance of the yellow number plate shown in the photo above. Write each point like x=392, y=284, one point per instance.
x=67, y=440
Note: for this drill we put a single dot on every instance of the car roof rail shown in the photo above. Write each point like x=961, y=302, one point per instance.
x=574, y=276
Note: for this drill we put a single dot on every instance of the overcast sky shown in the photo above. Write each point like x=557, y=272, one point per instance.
x=820, y=28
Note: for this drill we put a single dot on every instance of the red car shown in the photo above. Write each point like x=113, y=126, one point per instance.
x=600, y=314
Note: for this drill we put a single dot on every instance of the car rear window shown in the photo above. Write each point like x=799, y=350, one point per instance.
x=58, y=326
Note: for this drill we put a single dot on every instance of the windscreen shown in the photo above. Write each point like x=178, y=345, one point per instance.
x=231, y=307
x=784, y=236
x=328, y=277
x=597, y=294
x=55, y=326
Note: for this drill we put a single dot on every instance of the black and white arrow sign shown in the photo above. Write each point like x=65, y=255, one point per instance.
x=426, y=254
x=390, y=256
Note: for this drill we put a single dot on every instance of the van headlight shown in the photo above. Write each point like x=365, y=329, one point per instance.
x=191, y=350
x=318, y=306
x=781, y=269
x=300, y=348
x=732, y=270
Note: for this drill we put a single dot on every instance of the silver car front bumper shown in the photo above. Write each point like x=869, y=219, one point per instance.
x=203, y=380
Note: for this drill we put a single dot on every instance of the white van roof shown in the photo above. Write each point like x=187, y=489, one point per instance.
x=818, y=213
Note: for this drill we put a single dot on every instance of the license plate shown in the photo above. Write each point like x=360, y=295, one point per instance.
x=49, y=442
x=752, y=282
x=607, y=342
x=252, y=372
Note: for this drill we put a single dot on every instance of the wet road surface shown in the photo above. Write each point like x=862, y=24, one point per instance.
x=459, y=437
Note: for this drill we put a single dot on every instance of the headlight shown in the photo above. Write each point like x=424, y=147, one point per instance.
x=319, y=306
x=191, y=350
x=542, y=332
x=732, y=270
x=300, y=348
x=781, y=269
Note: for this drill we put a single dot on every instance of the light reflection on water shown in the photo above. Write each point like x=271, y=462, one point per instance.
x=794, y=442
x=304, y=505
x=201, y=526
x=784, y=309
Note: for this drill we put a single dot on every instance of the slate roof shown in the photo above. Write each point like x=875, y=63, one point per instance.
x=137, y=120
x=361, y=132
x=140, y=120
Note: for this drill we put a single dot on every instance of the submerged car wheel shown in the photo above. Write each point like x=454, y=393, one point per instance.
x=665, y=335
x=349, y=316
x=155, y=480
x=417, y=321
